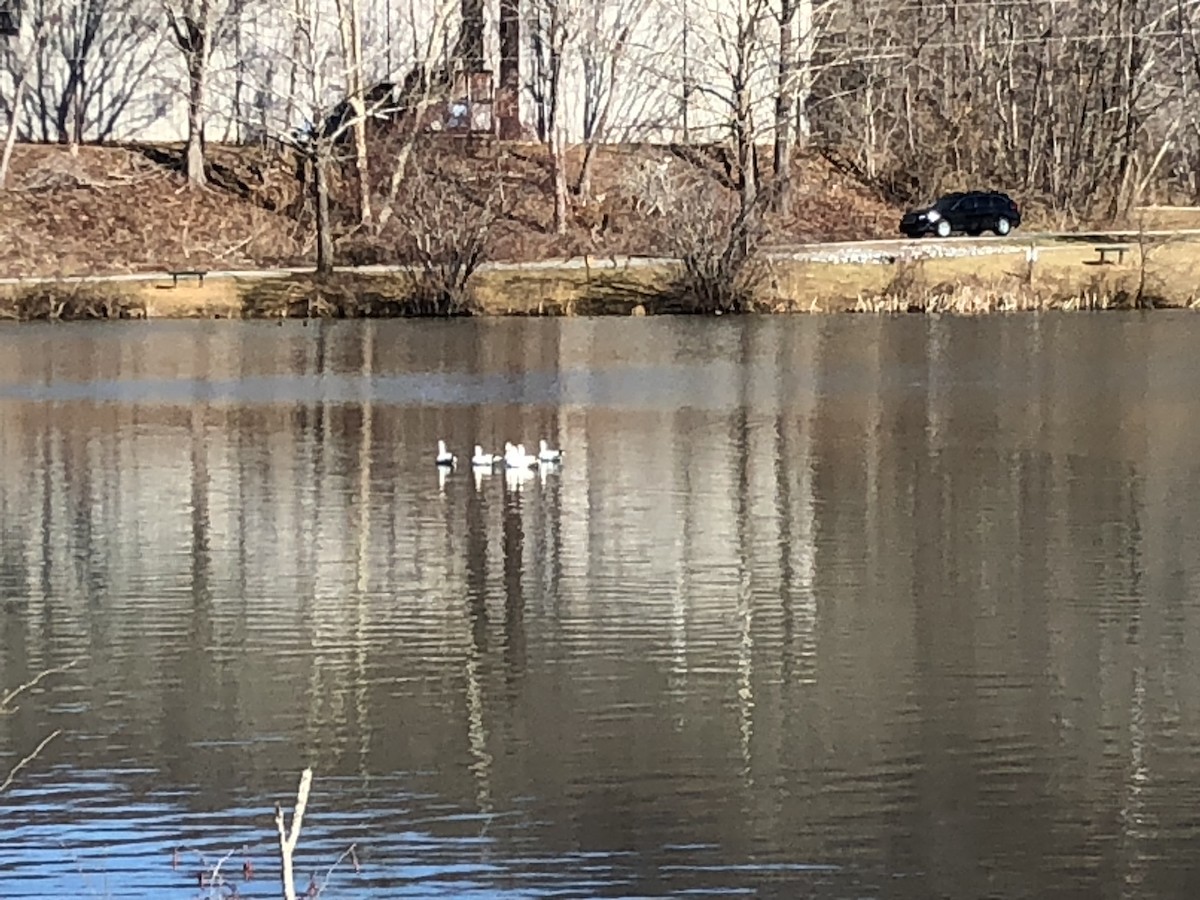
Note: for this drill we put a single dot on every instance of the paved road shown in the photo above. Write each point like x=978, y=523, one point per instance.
x=838, y=251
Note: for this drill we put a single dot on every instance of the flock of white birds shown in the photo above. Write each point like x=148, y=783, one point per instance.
x=514, y=457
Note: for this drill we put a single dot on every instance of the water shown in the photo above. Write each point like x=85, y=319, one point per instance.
x=816, y=607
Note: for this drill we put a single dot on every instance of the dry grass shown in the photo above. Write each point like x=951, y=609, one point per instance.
x=1064, y=276
x=1165, y=218
x=53, y=301
x=606, y=290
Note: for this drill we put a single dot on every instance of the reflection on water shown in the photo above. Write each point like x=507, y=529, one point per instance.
x=814, y=607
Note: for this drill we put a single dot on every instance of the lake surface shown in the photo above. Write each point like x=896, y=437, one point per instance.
x=815, y=607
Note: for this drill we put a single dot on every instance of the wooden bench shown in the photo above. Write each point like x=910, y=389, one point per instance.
x=1105, y=252
x=198, y=274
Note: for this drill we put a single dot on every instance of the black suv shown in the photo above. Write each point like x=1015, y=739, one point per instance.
x=972, y=212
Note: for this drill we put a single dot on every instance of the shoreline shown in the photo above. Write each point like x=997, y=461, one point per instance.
x=963, y=276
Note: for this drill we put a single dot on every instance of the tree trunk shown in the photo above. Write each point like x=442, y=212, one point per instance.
x=23, y=69
x=77, y=108
x=10, y=139
x=744, y=140
x=743, y=116
x=784, y=103
x=362, y=163
x=348, y=21
x=290, y=102
x=803, y=80
x=557, y=153
x=195, y=135
x=557, y=38
x=583, y=185
x=320, y=164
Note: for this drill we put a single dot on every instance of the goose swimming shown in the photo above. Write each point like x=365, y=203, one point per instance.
x=548, y=454
x=444, y=456
x=484, y=459
x=515, y=457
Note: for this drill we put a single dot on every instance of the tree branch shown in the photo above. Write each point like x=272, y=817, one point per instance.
x=289, y=838
x=6, y=707
x=30, y=757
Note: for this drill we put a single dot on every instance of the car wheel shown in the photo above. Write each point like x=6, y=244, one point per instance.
x=943, y=228
x=1003, y=226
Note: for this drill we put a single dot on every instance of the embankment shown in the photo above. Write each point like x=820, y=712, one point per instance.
x=1163, y=272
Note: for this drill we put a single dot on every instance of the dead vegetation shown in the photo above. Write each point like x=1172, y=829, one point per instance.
x=967, y=298
x=718, y=244
x=70, y=301
x=115, y=209
x=466, y=202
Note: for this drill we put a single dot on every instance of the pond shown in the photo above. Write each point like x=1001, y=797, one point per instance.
x=814, y=606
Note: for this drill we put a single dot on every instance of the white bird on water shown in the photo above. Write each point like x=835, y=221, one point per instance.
x=444, y=456
x=515, y=457
x=547, y=454
x=486, y=460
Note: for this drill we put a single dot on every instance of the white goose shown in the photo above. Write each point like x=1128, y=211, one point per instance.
x=486, y=460
x=548, y=454
x=515, y=457
x=444, y=456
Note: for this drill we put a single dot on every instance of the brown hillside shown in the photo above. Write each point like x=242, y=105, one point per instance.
x=127, y=208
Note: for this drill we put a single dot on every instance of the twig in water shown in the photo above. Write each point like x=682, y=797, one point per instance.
x=6, y=707
x=348, y=852
x=30, y=757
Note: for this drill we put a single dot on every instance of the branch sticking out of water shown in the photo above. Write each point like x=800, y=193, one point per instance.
x=350, y=853
x=6, y=707
x=29, y=757
x=289, y=838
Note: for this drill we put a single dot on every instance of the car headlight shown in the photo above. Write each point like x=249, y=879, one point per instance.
x=933, y=215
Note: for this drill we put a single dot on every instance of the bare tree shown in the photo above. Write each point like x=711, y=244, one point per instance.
x=20, y=66
x=424, y=86
x=784, y=105
x=317, y=94
x=1087, y=108
x=1070, y=103
x=350, y=31
x=604, y=40
x=446, y=234
x=740, y=47
x=192, y=29
x=87, y=69
x=195, y=27
x=717, y=243
x=554, y=24
x=797, y=37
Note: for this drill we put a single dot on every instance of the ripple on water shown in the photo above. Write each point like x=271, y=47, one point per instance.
x=811, y=608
